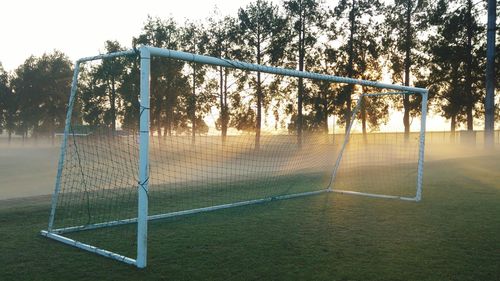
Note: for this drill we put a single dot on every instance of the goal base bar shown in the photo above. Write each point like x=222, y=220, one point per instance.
x=231, y=205
x=87, y=247
x=183, y=213
x=414, y=199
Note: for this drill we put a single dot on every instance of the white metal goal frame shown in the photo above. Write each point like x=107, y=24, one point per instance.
x=145, y=53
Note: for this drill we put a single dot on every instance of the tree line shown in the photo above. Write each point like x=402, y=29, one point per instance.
x=439, y=45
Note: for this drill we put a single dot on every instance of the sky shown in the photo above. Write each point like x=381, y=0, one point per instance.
x=79, y=28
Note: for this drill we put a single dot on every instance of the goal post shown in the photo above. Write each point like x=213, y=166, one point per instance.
x=142, y=217
x=109, y=181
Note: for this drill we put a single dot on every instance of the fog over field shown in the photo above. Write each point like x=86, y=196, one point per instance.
x=29, y=169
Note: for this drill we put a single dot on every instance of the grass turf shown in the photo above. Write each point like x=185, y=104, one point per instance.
x=453, y=234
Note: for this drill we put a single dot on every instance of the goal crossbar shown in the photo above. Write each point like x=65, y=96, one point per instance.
x=202, y=59
x=145, y=53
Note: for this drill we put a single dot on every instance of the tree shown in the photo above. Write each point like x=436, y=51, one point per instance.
x=129, y=90
x=319, y=102
x=93, y=99
x=8, y=105
x=225, y=42
x=356, y=27
x=25, y=85
x=406, y=22
x=41, y=85
x=305, y=17
x=101, y=90
x=456, y=62
x=111, y=72
x=4, y=92
x=168, y=82
x=56, y=70
x=472, y=30
x=194, y=40
x=243, y=117
x=263, y=28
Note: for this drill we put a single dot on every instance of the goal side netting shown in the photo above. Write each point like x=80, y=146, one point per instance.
x=386, y=163
x=142, y=143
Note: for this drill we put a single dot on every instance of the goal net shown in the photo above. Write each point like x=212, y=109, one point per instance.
x=154, y=134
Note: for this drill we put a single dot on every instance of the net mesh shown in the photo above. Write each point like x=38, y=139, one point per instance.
x=99, y=179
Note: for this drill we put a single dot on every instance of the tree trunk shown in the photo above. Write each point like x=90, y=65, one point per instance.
x=325, y=114
x=169, y=110
x=158, y=123
x=221, y=103
x=333, y=130
x=489, y=103
x=350, y=65
x=35, y=133
x=222, y=100
x=363, y=120
x=468, y=74
x=170, y=121
x=113, y=104
x=452, y=128
x=193, y=109
x=259, y=99
x=226, y=109
x=156, y=116
x=408, y=46
x=301, y=81
x=259, y=112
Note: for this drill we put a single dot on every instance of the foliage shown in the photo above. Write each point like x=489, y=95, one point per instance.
x=457, y=67
x=406, y=26
x=168, y=82
x=5, y=92
x=40, y=88
x=101, y=95
x=225, y=41
x=263, y=29
x=306, y=23
x=356, y=27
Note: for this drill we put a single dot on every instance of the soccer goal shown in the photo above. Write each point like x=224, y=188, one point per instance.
x=136, y=147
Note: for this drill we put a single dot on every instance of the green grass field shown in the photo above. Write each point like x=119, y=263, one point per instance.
x=453, y=234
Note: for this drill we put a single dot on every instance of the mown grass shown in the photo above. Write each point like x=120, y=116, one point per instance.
x=453, y=234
